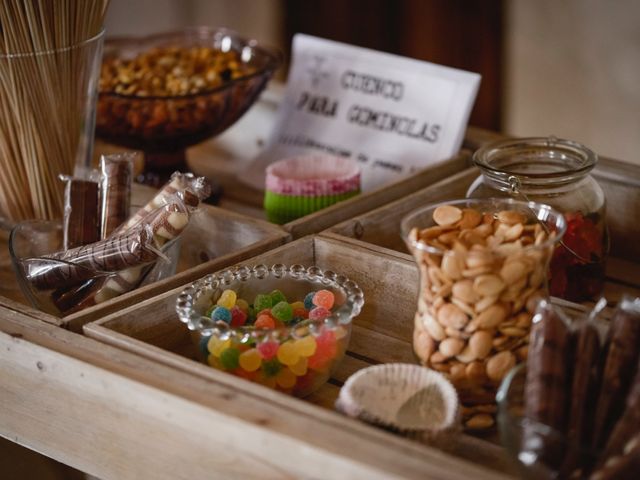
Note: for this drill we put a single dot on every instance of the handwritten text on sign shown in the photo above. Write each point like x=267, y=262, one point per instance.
x=393, y=115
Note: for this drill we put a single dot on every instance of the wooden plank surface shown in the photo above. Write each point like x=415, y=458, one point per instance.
x=118, y=415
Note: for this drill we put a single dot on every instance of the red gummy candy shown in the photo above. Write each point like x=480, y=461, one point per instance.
x=238, y=317
x=268, y=350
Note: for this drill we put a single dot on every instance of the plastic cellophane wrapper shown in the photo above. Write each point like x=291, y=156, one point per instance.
x=583, y=387
x=90, y=274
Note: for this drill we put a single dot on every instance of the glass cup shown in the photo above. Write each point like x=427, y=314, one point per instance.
x=296, y=357
x=483, y=265
x=51, y=96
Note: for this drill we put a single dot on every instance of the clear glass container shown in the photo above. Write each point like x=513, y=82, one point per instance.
x=478, y=290
x=554, y=172
x=296, y=357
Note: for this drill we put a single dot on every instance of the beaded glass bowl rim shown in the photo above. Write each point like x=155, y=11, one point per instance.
x=406, y=224
x=187, y=299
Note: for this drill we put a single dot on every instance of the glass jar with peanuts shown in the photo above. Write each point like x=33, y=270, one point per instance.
x=483, y=265
x=555, y=172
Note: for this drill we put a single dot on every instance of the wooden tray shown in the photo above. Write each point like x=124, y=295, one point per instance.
x=381, y=333
x=221, y=236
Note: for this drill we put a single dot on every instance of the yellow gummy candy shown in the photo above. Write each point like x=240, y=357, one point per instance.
x=268, y=381
x=250, y=360
x=286, y=378
x=295, y=305
x=300, y=368
x=227, y=299
x=213, y=361
x=242, y=305
x=217, y=346
x=287, y=354
x=306, y=346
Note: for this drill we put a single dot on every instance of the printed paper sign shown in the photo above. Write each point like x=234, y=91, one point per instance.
x=394, y=115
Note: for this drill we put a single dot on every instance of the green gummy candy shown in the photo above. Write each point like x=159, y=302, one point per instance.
x=277, y=296
x=262, y=302
x=282, y=311
x=229, y=359
x=271, y=368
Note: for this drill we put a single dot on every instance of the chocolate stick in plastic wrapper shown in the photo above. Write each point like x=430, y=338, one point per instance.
x=117, y=175
x=584, y=388
x=192, y=189
x=82, y=263
x=81, y=223
x=619, y=368
x=629, y=423
x=547, y=382
x=624, y=466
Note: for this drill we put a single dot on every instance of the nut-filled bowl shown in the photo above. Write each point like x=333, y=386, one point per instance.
x=165, y=92
x=285, y=327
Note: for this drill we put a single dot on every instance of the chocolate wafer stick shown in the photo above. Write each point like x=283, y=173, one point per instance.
x=547, y=384
x=629, y=423
x=619, y=369
x=82, y=263
x=117, y=175
x=81, y=224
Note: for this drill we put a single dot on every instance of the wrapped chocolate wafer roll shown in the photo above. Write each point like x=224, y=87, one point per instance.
x=115, y=190
x=629, y=423
x=547, y=383
x=81, y=221
x=624, y=466
x=191, y=189
x=619, y=369
x=77, y=265
x=586, y=364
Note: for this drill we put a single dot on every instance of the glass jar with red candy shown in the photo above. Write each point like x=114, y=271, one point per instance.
x=556, y=172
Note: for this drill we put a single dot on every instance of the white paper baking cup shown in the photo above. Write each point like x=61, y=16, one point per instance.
x=405, y=398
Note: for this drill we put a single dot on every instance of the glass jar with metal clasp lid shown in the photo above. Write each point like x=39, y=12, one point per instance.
x=555, y=172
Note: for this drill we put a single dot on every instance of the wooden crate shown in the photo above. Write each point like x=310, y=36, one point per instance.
x=381, y=333
x=620, y=182
x=217, y=238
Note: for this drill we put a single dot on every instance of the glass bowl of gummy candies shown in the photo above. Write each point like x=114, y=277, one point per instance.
x=285, y=327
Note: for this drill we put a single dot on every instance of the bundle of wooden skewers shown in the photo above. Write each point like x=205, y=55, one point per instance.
x=50, y=53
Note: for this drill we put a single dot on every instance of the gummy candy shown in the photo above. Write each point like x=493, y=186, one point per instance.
x=221, y=314
x=300, y=368
x=326, y=341
x=319, y=313
x=277, y=296
x=238, y=317
x=323, y=298
x=282, y=311
x=229, y=358
x=216, y=346
x=308, y=300
x=288, y=354
x=262, y=302
x=227, y=299
x=204, y=341
x=300, y=313
x=242, y=304
x=271, y=368
x=268, y=350
x=298, y=304
x=306, y=346
x=265, y=321
x=286, y=378
x=250, y=360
